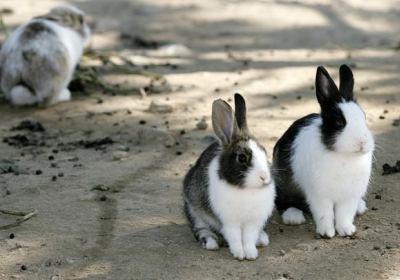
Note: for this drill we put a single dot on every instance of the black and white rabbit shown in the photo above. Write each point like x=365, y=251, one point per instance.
x=230, y=190
x=323, y=161
x=38, y=59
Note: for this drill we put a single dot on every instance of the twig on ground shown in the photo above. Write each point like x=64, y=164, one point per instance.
x=8, y=212
x=25, y=217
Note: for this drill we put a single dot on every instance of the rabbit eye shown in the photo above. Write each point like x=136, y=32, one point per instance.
x=242, y=158
x=339, y=124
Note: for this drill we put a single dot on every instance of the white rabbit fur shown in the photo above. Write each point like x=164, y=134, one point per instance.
x=316, y=171
x=243, y=212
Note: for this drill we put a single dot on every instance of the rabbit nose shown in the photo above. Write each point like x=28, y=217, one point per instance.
x=263, y=176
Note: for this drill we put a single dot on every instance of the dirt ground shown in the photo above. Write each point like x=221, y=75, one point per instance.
x=266, y=50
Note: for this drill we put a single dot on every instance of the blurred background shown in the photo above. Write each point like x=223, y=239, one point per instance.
x=140, y=117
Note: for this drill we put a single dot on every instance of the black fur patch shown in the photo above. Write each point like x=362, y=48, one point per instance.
x=231, y=170
x=333, y=122
x=289, y=193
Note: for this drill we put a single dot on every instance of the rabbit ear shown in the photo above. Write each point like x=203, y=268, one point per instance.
x=223, y=121
x=50, y=17
x=346, y=82
x=326, y=89
x=240, y=113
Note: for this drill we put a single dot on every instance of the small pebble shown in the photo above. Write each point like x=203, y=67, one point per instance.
x=87, y=197
x=303, y=247
x=54, y=178
x=23, y=267
x=382, y=117
x=178, y=153
x=376, y=247
x=55, y=151
x=38, y=172
x=12, y=235
x=386, y=111
x=183, y=131
x=142, y=122
x=61, y=174
x=160, y=107
x=118, y=155
x=298, y=97
x=374, y=208
x=317, y=247
x=53, y=164
x=378, y=196
x=281, y=230
x=389, y=247
x=282, y=253
x=8, y=192
x=103, y=198
x=51, y=157
x=202, y=125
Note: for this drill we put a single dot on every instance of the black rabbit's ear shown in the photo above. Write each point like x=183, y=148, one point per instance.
x=326, y=89
x=240, y=113
x=346, y=82
x=223, y=121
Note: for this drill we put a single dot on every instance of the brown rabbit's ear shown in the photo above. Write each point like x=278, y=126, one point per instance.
x=223, y=121
x=240, y=113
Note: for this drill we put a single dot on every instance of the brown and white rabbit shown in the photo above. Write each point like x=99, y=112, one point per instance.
x=38, y=59
x=230, y=190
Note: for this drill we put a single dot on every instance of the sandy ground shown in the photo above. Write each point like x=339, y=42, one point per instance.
x=266, y=50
